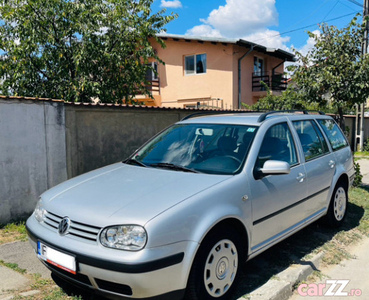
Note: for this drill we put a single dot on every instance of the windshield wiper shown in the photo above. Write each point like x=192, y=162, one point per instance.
x=132, y=161
x=173, y=167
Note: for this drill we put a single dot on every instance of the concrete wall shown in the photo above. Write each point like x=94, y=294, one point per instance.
x=32, y=153
x=100, y=135
x=43, y=143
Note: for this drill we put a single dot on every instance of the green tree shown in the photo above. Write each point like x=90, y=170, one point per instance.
x=78, y=49
x=290, y=99
x=334, y=70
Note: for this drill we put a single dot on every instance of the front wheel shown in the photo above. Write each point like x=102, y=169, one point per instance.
x=216, y=267
x=338, y=206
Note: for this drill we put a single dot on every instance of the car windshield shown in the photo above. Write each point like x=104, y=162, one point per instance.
x=205, y=148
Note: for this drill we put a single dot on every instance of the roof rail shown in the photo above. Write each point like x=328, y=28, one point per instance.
x=220, y=112
x=305, y=112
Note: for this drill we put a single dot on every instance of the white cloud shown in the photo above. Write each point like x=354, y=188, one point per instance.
x=242, y=17
x=246, y=19
x=310, y=43
x=268, y=38
x=204, y=30
x=304, y=50
x=171, y=4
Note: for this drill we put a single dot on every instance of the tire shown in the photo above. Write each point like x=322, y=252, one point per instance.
x=216, y=267
x=337, y=210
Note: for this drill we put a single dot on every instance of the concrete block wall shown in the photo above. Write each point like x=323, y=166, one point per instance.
x=44, y=142
x=32, y=153
x=100, y=135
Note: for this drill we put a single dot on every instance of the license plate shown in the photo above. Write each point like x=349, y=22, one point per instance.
x=58, y=259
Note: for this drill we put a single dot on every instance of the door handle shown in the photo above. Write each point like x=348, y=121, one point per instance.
x=301, y=177
x=332, y=164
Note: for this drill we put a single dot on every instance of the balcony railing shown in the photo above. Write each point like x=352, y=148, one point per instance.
x=276, y=81
x=153, y=85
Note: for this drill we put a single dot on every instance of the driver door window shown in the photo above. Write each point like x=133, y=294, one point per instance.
x=278, y=145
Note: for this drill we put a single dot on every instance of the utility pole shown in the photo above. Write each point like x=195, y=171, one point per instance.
x=364, y=52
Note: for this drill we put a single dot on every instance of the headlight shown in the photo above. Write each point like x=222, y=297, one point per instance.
x=39, y=212
x=125, y=237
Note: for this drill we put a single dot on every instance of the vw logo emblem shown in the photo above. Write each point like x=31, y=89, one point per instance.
x=64, y=226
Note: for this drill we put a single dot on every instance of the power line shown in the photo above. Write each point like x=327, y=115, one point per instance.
x=355, y=2
x=305, y=27
x=309, y=16
x=334, y=6
x=346, y=5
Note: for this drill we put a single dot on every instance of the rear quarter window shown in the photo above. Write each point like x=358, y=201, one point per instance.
x=334, y=134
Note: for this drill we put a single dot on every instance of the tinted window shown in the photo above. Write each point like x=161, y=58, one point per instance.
x=334, y=134
x=312, y=141
x=278, y=145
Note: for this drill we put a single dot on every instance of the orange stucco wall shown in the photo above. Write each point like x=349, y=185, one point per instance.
x=220, y=81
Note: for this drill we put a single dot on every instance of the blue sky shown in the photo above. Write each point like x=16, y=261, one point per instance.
x=260, y=21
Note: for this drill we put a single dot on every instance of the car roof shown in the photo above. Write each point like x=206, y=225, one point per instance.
x=249, y=118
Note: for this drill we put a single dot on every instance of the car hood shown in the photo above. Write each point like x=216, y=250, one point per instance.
x=124, y=194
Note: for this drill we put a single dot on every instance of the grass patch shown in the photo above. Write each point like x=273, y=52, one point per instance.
x=13, y=266
x=13, y=232
x=47, y=290
x=360, y=198
x=364, y=154
x=40, y=282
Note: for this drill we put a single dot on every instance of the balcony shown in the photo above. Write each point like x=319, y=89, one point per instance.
x=154, y=86
x=276, y=81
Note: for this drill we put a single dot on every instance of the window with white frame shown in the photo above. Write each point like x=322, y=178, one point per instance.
x=195, y=64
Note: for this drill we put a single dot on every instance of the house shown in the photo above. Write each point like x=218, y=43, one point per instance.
x=214, y=72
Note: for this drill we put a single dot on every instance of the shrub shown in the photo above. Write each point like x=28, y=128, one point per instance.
x=358, y=177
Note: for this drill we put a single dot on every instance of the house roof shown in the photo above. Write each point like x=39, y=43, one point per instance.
x=279, y=53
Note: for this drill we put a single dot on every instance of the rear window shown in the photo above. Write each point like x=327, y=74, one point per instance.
x=334, y=134
x=311, y=138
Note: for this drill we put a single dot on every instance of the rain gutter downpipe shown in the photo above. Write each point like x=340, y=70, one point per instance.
x=239, y=74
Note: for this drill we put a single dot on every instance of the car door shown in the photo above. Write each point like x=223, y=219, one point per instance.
x=276, y=198
x=319, y=165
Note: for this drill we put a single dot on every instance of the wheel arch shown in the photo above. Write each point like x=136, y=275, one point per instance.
x=344, y=179
x=231, y=224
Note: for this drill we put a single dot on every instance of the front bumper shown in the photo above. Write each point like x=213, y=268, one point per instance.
x=159, y=273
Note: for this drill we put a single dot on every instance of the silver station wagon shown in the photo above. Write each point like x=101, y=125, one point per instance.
x=180, y=216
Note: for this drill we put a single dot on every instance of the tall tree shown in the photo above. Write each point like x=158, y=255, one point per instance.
x=335, y=69
x=78, y=50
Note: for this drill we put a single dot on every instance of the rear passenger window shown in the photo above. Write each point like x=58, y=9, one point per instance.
x=334, y=134
x=278, y=145
x=311, y=138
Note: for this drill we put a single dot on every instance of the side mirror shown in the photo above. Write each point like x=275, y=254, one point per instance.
x=275, y=167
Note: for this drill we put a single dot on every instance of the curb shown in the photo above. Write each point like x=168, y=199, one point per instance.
x=282, y=285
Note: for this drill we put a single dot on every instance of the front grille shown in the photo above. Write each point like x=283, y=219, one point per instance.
x=114, y=287
x=77, y=229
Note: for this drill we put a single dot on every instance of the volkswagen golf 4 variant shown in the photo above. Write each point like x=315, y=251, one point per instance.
x=181, y=215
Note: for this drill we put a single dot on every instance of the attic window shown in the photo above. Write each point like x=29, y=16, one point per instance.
x=195, y=64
